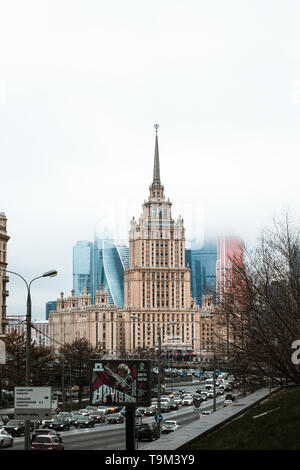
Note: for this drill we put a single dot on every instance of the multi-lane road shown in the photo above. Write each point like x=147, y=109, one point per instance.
x=112, y=436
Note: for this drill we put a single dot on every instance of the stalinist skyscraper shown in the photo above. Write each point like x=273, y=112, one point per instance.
x=157, y=286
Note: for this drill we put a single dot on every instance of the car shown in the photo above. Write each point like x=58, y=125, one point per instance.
x=45, y=422
x=169, y=426
x=113, y=409
x=91, y=408
x=97, y=416
x=147, y=431
x=140, y=411
x=45, y=432
x=203, y=396
x=150, y=411
x=64, y=414
x=84, y=422
x=74, y=418
x=165, y=407
x=220, y=391
x=60, y=424
x=75, y=388
x=15, y=427
x=83, y=412
x=177, y=400
x=103, y=409
x=186, y=401
x=228, y=388
x=48, y=442
x=115, y=418
x=173, y=405
x=6, y=439
x=210, y=394
x=227, y=402
x=229, y=396
x=206, y=412
x=4, y=418
x=154, y=405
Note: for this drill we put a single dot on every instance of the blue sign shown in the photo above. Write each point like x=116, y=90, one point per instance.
x=158, y=418
x=197, y=403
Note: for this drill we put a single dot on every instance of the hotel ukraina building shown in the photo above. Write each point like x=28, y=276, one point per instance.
x=157, y=293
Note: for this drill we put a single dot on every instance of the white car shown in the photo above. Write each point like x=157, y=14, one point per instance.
x=103, y=409
x=210, y=394
x=169, y=426
x=227, y=402
x=6, y=440
x=188, y=400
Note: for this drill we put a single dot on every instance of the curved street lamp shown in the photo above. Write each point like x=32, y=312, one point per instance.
x=51, y=273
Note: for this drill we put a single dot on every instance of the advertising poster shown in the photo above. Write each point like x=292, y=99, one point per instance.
x=120, y=382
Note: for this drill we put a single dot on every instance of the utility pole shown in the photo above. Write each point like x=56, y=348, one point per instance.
x=214, y=381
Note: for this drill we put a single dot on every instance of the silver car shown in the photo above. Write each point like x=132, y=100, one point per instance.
x=6, y=440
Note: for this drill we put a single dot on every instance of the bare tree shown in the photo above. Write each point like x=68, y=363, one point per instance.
x=257, y=317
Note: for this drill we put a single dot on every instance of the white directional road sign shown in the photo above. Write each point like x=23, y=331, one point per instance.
x=32, y=403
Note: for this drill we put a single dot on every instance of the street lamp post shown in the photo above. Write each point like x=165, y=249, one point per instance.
x=51, y=273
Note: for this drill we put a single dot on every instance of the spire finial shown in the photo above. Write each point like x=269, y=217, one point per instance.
x=156, y=171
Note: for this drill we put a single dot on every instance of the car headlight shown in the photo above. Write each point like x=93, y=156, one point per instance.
x=16, y=429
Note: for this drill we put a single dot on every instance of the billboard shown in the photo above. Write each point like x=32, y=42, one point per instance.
x=120, y=382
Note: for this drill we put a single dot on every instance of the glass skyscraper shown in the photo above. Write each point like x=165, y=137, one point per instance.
x=202, y=263
x=102, y=262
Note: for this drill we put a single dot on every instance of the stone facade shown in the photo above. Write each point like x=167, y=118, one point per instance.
x=3, y=276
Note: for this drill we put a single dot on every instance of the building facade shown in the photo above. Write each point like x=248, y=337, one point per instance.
x=39, y=331
x=4, y=279
x=157, y=291
x=157, y=284
x=202, y=263
x=100, y=263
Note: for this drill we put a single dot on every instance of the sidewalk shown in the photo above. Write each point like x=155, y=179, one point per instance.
x=199, y=427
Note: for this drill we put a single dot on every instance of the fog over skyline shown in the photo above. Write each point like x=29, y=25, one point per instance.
x=82, y=84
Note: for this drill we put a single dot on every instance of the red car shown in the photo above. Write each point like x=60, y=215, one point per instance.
x=47, y=443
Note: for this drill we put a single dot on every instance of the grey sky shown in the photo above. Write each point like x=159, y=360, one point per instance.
x=83, y=82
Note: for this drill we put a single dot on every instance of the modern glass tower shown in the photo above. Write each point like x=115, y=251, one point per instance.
x=100, y=263
x=82, y=267
x=202, y=263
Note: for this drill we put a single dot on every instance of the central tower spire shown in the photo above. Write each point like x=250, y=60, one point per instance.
x=156, y=170
x=156, y=188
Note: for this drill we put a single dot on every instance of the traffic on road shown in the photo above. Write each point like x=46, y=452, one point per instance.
x=104, y=427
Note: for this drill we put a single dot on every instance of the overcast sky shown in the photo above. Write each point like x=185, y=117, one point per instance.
x=81, y=84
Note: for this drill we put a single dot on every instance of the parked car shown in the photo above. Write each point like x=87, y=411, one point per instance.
x=61, y=424
x=169, y=426
x=15, y=427
x=84, y=422
x=45, y=432
x=6, y=439
x=115, y=418
x=48, y=442
x=147, y=431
